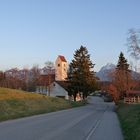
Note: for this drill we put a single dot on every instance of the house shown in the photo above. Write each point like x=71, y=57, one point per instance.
x=47, y=85
x=132, y=96
x=54, y=84
x=44, y=83
x=133, y=93
x=59, y=89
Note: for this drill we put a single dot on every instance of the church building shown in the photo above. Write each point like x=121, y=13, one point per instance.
x=61, y=67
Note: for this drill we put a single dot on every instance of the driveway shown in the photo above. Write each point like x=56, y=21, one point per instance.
x=96, y=121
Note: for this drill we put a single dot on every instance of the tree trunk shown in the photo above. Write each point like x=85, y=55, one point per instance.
x=84, y=96
x=74, y=97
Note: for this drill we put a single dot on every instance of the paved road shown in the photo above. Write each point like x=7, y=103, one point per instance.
x=96, y=121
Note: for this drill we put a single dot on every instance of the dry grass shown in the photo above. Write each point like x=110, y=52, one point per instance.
x=6, y=93
x=16, y=103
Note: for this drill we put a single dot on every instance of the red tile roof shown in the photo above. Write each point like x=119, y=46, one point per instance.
x=44, y=80
x=62, y=58
x=133, y=92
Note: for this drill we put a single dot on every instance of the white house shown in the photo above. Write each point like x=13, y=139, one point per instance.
x=58, y=89
x=56, y=85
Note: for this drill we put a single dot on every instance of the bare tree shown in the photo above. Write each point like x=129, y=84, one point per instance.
x=33, y=78
x=133, y=43
x=49, y=66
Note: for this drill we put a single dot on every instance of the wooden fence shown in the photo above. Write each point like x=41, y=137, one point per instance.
x=131, y=100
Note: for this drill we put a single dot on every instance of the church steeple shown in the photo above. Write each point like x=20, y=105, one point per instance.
x=61, y=67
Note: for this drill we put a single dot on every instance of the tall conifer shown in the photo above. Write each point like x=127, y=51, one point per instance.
x=123, y=75
x=81, y=74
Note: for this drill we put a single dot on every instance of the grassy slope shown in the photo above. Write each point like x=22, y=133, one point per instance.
x=129, y=116
x=15, y=104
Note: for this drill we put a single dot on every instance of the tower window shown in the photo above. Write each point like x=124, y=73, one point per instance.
x=58, y=65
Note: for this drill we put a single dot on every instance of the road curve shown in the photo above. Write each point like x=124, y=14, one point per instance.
x=96, y=121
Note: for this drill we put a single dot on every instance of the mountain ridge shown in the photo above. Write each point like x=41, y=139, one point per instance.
x=103, y=73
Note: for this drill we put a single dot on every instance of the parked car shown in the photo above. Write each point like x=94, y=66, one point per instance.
x=96, y=93
x=108, y=98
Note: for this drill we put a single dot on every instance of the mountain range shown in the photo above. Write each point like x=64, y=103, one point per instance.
x=103, y=73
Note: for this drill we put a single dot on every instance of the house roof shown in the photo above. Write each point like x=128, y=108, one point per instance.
x=133, y=92
x=63, y=84
x=44, y=80
x=62, y=58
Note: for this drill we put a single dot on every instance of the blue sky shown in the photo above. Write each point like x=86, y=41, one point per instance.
x=36, y=31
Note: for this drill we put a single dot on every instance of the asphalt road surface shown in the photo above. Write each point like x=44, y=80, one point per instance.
x=96, y=121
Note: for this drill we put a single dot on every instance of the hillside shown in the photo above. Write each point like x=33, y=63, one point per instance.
x=16, y=103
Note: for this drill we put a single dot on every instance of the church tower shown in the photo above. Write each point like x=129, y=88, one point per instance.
x=61, y=67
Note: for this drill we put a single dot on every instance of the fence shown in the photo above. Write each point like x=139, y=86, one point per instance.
x=131, y=100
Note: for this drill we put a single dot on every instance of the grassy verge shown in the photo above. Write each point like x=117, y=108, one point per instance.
x=129, y=116
x=16, y=104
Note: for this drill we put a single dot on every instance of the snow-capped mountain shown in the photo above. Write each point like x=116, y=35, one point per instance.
x=103, y=74
x=135, y=75
x=108, y=66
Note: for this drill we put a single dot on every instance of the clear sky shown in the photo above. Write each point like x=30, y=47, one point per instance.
x=36, y=31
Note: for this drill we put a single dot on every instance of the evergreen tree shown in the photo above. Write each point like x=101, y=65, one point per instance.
x=81, y=75
x=122, y=76
x=122, y=63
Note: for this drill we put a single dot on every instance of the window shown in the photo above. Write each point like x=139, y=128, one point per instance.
x=58, y=65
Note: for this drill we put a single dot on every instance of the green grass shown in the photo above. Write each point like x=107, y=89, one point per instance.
x=129, y=116
x=15, y=104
